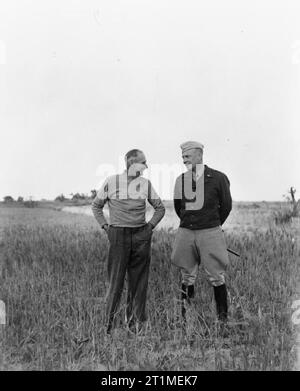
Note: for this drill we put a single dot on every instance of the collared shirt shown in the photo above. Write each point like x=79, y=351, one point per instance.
x=126, y=200
x=199, y=171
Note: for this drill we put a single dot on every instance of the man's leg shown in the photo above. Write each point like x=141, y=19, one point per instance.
x=212, y=247
x=188, y=278
x=186, y=257
x=138, y=275
x=119, y=252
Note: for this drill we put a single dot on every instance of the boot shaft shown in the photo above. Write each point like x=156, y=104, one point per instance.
x=188, y=292
x=221, y=301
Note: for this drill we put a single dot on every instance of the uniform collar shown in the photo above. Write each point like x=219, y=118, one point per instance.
x=200, y=172
x=208, y=172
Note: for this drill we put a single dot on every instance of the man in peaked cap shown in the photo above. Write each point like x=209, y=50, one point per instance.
x=202, y=201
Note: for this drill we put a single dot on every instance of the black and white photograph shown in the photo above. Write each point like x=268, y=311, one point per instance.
x=149, y=188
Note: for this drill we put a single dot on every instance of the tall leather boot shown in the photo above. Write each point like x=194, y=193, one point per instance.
x=191, y=293
x=221, y=302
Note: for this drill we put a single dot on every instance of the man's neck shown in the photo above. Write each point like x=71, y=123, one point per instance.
x=130, y=177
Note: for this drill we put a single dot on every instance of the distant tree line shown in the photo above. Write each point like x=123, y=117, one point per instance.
x=8, y=199
x=77, y=196
x=60, y=198
x=20, y=200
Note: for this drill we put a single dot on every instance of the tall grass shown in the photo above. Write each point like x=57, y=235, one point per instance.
x=54, y=281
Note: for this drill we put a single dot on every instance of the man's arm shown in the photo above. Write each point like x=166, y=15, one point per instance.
x=156, y=202
x=225, y=198
x=98, y=204
x=177, y=195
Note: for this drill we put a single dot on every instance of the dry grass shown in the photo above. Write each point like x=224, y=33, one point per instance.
x=53, y=283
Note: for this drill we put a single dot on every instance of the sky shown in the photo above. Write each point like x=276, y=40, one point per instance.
x=82, y=82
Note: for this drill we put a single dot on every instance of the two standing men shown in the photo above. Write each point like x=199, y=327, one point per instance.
x=202, y=201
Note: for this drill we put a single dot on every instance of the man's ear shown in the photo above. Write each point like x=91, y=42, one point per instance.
x=132, y=169
x=130, y=161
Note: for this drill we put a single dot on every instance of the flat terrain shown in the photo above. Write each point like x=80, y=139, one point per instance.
x=53, y=282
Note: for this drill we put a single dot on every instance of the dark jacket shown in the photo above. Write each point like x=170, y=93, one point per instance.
x=210, y=208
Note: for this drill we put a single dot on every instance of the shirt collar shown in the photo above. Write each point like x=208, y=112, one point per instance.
x=208, y=171
x=199, y=171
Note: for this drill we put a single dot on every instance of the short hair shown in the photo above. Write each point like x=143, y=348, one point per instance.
x=132, y=153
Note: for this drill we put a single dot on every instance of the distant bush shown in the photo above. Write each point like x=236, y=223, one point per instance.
x=285, y=216
x=30, y=204
x=60, y=198
x=8, y=199
x=20, y=199
x=293, y=202
x=78, y=196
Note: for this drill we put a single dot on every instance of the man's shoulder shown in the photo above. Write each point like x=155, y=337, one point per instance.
x=120, y=178
x=215, y=173
x=182, y=175
x=109, y=182
x=111, y=178
x=208, y=172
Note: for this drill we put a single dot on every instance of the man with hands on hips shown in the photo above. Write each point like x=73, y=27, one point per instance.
x=129, y=237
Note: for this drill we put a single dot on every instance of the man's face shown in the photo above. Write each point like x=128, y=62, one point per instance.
x=192, y=157
x=137, y=165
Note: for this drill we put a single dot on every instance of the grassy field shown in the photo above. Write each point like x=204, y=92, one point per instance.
x=53, y=281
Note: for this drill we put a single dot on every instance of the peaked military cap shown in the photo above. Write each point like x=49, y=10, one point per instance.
x=191, y=145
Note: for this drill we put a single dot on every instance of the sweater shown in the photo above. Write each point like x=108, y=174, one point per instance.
x=127, y=202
